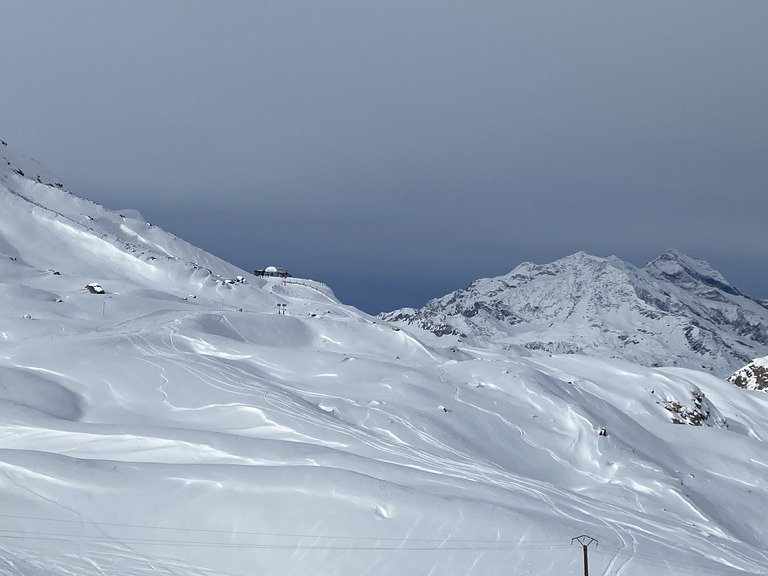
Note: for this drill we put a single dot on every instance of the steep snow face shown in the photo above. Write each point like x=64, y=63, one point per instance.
x=677, y=311
x=753, y=376
x=691, y=274
x=14, y=166
x=178, y=424
x=55, y=244
x=50, y=225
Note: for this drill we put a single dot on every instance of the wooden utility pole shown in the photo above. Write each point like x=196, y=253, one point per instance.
x=585, y=541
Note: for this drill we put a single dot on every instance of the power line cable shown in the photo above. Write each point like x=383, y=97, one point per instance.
x=679, y=565
x=274, y=534
x=58, y=537
x=439, y=544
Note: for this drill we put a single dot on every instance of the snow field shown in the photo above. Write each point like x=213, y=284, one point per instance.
x=178, y=425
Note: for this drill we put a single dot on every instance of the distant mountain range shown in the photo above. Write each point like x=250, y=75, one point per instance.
x=676, y=311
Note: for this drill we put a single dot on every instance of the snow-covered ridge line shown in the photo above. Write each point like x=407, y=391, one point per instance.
x=131, y=235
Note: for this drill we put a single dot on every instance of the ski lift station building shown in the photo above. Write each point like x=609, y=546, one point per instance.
x=272, y=271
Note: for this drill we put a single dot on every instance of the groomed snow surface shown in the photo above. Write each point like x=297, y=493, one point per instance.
x=178, y=425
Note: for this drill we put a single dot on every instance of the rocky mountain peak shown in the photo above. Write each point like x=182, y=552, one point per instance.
x=753, y=376
x=688, y=273
x=677, y=311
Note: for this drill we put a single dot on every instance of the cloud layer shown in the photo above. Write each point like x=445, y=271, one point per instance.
x=401, y=149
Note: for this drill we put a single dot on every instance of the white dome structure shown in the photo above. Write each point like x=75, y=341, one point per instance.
x=272, y=271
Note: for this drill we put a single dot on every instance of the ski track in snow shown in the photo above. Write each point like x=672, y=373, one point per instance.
x=287, y=402
x=459, y=465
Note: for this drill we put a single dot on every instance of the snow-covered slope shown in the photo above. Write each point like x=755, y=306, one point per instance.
x=179, y=425
x=55, y=243
x=677, y=311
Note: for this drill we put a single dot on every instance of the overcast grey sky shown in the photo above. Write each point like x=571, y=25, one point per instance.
x=399, y=149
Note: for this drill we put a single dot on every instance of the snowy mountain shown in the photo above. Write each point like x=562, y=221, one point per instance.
x=676, y=311
x=181, y=422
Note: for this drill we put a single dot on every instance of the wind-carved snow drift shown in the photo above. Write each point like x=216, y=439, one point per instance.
x=172, y=422
x=676, y=311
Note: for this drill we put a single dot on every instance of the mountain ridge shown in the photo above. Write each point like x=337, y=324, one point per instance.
x=678, y=309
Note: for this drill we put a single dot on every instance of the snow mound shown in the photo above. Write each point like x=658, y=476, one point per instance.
x=30, y=394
